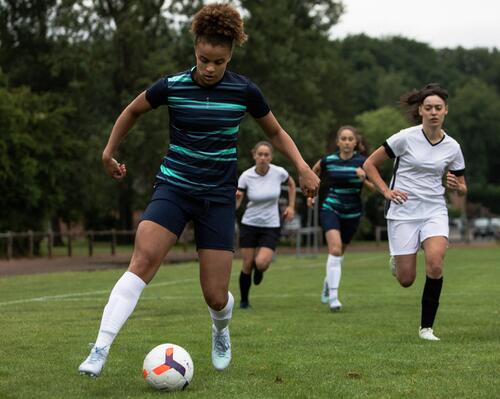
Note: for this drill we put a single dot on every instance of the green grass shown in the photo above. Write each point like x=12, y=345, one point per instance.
x=288, y=346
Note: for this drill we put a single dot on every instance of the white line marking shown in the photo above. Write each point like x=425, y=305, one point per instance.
x=88, y=293
x=80, y=294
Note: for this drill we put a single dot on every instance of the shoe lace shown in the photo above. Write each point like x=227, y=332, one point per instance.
x=97, y=354
x=221, y=342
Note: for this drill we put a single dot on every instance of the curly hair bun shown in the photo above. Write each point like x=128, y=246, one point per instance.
x=218, y=24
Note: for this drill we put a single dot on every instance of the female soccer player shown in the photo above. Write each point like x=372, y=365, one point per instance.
x=197, y=178
x=341, y=210
x=416, y=210
x=260, y=225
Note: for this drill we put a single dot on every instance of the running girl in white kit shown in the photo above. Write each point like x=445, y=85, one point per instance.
x=416, y=210
x=261, y=222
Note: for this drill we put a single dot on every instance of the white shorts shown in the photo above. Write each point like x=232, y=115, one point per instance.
x=406, y=236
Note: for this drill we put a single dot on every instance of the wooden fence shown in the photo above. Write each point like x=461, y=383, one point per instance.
x=89, y=235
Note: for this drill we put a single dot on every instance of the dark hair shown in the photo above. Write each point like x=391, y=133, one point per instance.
x=332, y=142
x=412, y=100
x=219, y=24
x=266, y=143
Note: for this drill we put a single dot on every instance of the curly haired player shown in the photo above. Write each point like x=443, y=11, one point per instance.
x=197, y=177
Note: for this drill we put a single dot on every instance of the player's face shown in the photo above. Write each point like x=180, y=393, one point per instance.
x=211, y=62
x=433, y=110
x=346, y=141
x=263, y=156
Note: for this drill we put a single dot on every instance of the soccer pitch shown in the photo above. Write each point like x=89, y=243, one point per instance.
x=287, y=346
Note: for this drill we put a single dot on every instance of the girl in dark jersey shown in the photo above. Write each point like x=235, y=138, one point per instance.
x=341, y=209
x=197, y=178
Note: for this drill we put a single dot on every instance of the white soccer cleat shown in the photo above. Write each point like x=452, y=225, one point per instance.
x=427, y=334
x=94, y=363
x=221, y=348
x=392, y=265
x=335, y=305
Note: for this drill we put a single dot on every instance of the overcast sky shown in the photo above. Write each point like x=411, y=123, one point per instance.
x=440, y=23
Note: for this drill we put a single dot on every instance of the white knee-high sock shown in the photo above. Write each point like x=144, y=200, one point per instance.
x=333, y=274
x=222, y=317
x=120, y=306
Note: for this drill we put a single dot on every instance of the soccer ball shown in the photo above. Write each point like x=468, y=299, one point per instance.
x=168, y=367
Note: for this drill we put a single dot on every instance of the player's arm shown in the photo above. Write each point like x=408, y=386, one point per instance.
x=317, y=168
x=362, y=176
x=123, y=124
x=289, y=212
x=371, y=168
x=239, y=198
x=456, y=183
x=281, y=140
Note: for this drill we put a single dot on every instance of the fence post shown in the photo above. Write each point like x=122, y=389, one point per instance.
x=113, y=242
x=70, y=244
x=91, y=242
x=30, y=243
x=10, y=242
x=50, y=242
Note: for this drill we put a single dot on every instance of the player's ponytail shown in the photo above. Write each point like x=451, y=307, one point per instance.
x=411, y=101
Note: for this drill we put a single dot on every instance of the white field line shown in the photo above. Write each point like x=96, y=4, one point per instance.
x=87, y=293
x=79, y=295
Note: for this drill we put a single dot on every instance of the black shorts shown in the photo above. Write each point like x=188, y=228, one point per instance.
x=332, y=221
x=213, y=221
x=253, y=237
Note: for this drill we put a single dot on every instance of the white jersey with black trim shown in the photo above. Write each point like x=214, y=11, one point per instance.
x=263, y=193
x=418, y=170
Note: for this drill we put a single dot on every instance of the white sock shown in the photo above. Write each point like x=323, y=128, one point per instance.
x=120, y=306
x=333, y=274
x=222, y=317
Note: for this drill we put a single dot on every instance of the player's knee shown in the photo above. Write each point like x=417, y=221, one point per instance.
x=434, y=271
x=262, y=264
x=141, y=264
x=217, y=302
x=335, y=251
x=406, y=281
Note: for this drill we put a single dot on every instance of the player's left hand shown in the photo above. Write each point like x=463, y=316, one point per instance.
x=452, y=182
x=361, y=174
x=288, y=214
x=309, y=182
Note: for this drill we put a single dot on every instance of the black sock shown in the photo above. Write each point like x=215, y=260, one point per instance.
x=245, y=283
x=430, y=301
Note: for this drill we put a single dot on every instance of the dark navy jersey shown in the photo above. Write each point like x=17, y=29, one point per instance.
x=344, y=185
x=204, y=125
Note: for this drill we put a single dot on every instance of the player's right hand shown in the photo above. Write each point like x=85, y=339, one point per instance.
x=396, y=196
x=114, y=169
x=309, y=183
x=311, y=201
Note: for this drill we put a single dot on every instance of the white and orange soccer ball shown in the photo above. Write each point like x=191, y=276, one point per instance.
x=168, y=367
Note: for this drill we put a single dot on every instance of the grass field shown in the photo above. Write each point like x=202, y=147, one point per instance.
x=287, y=346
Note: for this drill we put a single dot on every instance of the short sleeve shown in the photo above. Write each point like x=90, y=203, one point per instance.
x=322, y=164
x=256, y=105
x=283, y=175
x=157, y=94
x=457, y=165
x=395, y=145
x=242, y=182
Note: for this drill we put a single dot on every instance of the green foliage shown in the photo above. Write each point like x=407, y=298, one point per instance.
x=68, y=68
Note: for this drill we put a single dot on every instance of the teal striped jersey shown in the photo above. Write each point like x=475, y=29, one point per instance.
x=204, y=124
x=344, y=190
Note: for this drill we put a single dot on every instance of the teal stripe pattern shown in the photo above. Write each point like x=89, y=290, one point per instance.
x=344, y=191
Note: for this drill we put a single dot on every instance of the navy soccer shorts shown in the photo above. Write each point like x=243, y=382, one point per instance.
x=332, y=221
x=213, y=221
